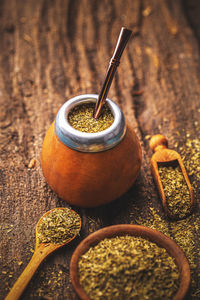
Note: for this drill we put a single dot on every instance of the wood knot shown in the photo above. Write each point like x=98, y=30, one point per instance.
x=157, y=142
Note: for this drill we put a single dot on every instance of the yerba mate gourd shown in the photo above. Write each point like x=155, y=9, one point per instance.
x=90, y=169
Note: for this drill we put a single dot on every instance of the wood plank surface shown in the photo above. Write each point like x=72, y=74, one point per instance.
x=53, y=50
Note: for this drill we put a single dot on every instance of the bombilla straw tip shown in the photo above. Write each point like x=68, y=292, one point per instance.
x=127, y=30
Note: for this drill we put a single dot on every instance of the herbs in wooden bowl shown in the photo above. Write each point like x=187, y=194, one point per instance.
x=129, y=262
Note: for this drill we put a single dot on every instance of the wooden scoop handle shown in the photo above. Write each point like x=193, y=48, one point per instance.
x=157, y=142
x=39, y=255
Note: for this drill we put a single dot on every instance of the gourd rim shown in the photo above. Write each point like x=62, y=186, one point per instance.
x=89, y=142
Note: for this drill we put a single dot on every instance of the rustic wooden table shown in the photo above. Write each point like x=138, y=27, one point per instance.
x=51, y=51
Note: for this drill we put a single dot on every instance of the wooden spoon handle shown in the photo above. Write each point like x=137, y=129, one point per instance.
x=40, y=253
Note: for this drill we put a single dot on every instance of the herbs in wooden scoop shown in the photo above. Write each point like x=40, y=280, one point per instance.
x=128, y=267
x=59, y=226
x=176, y=190
x=81, y=118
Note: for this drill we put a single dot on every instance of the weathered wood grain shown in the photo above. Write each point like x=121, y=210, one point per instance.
x=53, y=50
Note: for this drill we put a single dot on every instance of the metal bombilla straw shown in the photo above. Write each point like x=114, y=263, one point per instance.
x=114, y=63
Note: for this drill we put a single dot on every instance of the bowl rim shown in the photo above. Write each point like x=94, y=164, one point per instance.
x=136, y=230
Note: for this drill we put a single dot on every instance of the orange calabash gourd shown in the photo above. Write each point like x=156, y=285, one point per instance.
x=97, y=167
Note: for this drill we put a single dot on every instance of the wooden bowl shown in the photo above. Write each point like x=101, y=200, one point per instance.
x=135, y=230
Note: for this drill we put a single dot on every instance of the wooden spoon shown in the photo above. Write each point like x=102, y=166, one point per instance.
x=135, y=230
x=42, y=250
x=158, y=144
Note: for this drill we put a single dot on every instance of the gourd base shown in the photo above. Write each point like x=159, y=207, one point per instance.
x=90, y=179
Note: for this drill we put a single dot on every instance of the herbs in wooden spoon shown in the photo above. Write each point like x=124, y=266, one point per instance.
x=55, y=229
x=58, y=227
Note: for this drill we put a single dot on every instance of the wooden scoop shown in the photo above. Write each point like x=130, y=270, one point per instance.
x=167, y=157
x=42, y=250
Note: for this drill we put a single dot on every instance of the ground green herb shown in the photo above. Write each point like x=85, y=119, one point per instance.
x=190, y=153
x=186, y=235
x=81, y=118
x=176, y=190
x=189, y=149
x=59, y=226
x=128, y=267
